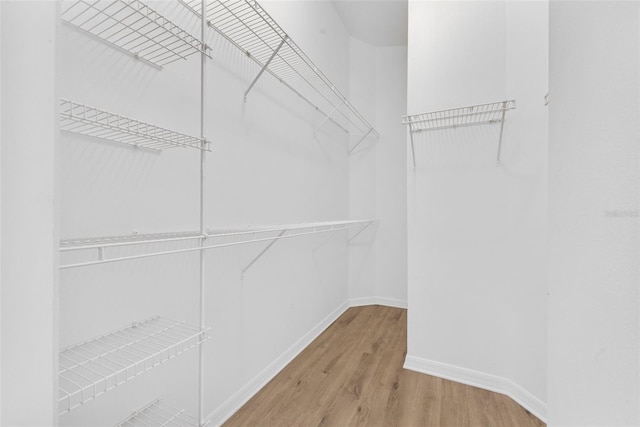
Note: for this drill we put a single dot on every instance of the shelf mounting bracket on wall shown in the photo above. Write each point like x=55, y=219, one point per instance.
x=360, y=231
x=257, y=257
x=360, y=141
x=328, y=117
x=264, y=67
x=458, y=117
x=413, y=150
x=504, y=110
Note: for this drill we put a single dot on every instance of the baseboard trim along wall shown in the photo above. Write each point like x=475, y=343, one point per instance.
x=450, y=372
x=389, y=302
x=242, y=396
x=481, y=380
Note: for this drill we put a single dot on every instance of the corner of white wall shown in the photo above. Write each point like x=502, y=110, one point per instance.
x=481, y=380
x=249, y=389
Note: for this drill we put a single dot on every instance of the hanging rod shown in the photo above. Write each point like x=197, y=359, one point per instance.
x=472, y=115
x=94, y=122
x=210, y=240
x=251, y=29
x=132, y=27
x=90, y=369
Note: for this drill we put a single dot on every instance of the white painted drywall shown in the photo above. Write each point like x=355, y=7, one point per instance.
x=594, y=376
x=363, y=173
x=266, y=167
x=377, y=172
x=0, y=212
x=391, y=186
x=29, y=261
x=477, y=233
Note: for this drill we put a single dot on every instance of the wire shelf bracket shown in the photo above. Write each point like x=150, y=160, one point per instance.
x=97, y=123
x=92, y=368
x=132, y=27
x=458, y=117
x=246, y=25
x=360, y=141
x=159, y=413
x=262, y=252
x=266, y=65
x=212, y=239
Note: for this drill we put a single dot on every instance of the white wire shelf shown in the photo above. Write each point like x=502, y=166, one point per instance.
x=130, y=239
x=132, y=27
x=212, y=239
x=96, y=123
x=92, y=368
x=456, y=117
x=472, y=115
x=159, y=413
x=251, y=29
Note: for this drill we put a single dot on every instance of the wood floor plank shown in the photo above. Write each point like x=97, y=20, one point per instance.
x=352, y=375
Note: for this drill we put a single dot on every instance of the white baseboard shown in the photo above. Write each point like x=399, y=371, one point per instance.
x=242, y=396
x=481, y=380
x=390, y=302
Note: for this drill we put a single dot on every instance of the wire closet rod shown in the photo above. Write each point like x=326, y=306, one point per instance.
x=293, y=230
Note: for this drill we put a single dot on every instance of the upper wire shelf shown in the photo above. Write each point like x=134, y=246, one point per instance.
x=159, y=413
x=132, y=27
x=493, y=112
x=90, y=121
x=456, y=117
x=251, y=29
x=94, y=367
x=213, y=238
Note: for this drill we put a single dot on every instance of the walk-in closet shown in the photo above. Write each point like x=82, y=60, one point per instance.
x=319, y=212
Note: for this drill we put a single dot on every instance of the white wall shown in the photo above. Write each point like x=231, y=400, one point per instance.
x=593, y=172
x=266, y=167
x=477, y=246
x=29, y=232
x=377, y=170
x=390, y=184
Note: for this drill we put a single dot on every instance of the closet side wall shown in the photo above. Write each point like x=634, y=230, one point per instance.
x=594, y=130
x=477, y=263
x=377, y=170
x=29, y=230
x=391, y=170
x=266, y=167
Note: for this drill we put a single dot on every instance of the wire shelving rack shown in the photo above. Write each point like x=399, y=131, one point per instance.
x=251, y=29
x=159, y=413
x=472, y=115
x=132, y=27
x=90, y=369
x=148, y=244
x=97, y=123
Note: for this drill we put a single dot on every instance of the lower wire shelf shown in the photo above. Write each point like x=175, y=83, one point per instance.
x=159, y=413
x=94, y=367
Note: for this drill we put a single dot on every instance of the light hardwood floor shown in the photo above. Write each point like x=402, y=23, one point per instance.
x=352, y=375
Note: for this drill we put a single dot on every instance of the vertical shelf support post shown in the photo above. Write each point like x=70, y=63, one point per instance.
x=504, y=110
x=203, y=158
x=264, y=67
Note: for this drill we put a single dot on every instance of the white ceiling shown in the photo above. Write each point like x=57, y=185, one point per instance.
x=377, y=22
